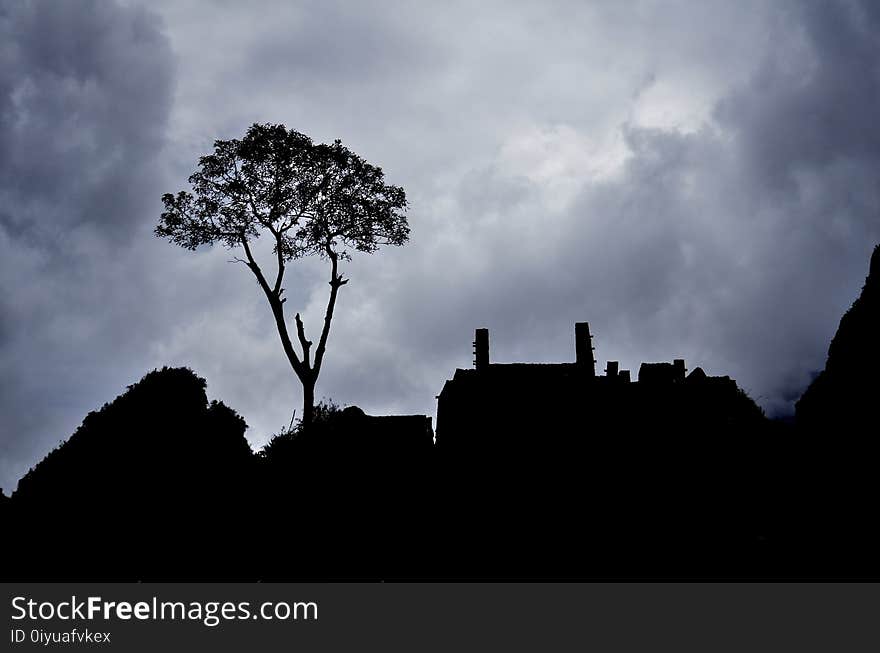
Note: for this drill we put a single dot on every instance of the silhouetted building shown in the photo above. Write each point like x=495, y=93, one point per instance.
x=545, y=406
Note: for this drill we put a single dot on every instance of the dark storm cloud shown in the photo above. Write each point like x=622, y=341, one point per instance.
x=806, y=131
x=323, y=43
x=85, y=95
x=815, y=104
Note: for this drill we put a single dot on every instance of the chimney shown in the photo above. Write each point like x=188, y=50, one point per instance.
x=583, y=347
x=481, y=349
x=679, y=369
x=611, y=369
x=624, y=376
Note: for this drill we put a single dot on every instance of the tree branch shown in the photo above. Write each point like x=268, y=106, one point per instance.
x=336, y=281
x=277, y=312
x=306, y=344
x=278, y=250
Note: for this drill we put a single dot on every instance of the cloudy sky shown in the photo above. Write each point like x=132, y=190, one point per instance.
x=698, y=179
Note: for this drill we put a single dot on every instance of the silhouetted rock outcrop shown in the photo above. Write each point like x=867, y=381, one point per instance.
x=835, y=461
x=844, y=395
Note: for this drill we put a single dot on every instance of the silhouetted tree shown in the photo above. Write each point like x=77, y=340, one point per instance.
x=312, y=199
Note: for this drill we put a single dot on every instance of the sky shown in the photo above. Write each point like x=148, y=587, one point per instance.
x=697, y=179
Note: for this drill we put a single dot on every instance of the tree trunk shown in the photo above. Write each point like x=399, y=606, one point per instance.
x=308, y=402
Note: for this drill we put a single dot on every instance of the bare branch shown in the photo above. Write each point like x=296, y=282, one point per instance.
x=279, y=246
x=306, y=344
x=335, y=283
x=278, y=312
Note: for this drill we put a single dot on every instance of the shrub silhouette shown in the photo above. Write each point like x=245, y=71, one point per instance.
x=146, y=482
x=348, y=495
x=281, y=448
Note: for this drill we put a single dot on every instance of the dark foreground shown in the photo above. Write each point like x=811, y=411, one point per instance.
x=536, y=472
x=175, y=493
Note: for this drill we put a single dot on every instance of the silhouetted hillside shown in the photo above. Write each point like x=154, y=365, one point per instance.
x=846, y=391
x=538, y=471
x=835, y=462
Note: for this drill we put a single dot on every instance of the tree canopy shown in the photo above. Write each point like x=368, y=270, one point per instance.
x=313, y=198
